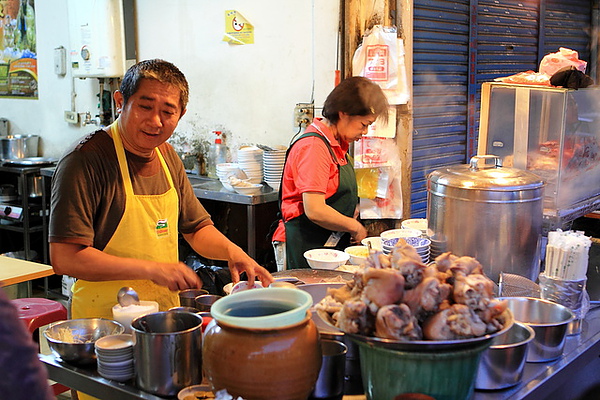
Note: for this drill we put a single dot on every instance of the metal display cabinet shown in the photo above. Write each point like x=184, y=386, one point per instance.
x=24, y=214
x=552, y=132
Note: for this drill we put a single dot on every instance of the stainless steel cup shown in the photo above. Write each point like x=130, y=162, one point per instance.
x=330, y=383
x=167, y=348
x=205, y=302
x=187, y=296
x=501, y=365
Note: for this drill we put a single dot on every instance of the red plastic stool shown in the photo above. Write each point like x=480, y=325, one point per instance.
x=37, y=312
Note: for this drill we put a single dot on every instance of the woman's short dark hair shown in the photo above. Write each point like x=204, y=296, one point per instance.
x=356, y=96
x=160, y=70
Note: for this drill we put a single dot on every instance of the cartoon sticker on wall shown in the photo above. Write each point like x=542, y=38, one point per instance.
x=237, y=29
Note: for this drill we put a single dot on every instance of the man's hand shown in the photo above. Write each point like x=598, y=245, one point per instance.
x=177, y=276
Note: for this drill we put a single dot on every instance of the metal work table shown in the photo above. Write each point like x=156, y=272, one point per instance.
x=539, y=381
x=212, y=189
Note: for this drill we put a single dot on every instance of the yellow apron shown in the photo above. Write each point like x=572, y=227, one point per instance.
x=148, y=231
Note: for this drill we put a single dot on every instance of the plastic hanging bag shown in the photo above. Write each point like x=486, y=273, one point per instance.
x=569, y=293
x=380, y=58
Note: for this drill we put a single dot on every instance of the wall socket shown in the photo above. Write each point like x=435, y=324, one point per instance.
x=71, y=117
x=303, y=114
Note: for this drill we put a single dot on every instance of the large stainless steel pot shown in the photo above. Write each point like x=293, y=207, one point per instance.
x=489, y=212
x=19, y=146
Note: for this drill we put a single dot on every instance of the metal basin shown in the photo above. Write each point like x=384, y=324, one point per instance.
x=502, y=365
x=548, y=320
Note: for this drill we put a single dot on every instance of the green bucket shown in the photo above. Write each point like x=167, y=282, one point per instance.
x=447, y=374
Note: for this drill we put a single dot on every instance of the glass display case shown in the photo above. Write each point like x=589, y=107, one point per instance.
x=552, y=132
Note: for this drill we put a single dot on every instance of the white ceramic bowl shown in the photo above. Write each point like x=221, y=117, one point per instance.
x=326, y=258
x=375, y=242
x=400, y=233
x=248, y=190
x=358, y=254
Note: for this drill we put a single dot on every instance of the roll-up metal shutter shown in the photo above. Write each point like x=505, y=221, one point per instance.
x=455, y=50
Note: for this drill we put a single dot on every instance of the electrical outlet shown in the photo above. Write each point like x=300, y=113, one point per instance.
x=303, y=114
x=71, y=117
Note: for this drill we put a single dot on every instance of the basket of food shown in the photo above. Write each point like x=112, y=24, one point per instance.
x=420, y=328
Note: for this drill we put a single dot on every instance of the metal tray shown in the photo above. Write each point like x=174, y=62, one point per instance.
x=422, y=345
x=30, y=161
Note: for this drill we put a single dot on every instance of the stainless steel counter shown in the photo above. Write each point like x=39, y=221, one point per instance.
x=212, y=189
x=540, y=380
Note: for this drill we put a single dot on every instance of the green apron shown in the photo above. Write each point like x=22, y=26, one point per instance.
x=301, y=234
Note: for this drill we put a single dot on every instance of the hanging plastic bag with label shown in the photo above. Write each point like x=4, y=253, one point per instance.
x=380, y=58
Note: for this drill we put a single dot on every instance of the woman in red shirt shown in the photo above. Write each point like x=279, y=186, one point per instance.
x=318, y=189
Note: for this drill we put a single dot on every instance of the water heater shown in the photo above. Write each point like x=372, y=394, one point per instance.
x=97, y=38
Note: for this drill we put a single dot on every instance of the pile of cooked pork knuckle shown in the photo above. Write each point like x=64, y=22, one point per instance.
x=398, y=297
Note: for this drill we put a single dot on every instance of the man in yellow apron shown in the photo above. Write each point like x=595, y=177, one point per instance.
x=120, y=197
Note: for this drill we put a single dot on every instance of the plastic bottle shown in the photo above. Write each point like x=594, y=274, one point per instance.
x=217, y=154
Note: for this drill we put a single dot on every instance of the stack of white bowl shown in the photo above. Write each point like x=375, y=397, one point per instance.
x=250, y=160
x=273, y=162
x=390, y=238
x=225, y=170
x=115, y=357
x=421, y=245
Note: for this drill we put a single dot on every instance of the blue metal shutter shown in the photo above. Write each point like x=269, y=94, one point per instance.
x=454, y=51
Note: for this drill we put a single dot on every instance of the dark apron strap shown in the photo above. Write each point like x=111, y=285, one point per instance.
x=302, y=234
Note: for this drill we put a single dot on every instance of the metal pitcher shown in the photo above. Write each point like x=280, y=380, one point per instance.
x=167, y=348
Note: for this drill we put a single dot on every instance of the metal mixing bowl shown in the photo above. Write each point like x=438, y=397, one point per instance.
x=73, y=340
x=502, y=365
x=548, y=320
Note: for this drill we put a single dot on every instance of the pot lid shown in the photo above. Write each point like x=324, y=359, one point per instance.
x=486, y=173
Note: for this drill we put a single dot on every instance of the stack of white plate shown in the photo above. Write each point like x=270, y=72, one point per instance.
x=415, y=223
x=225, y=170
x=250, y=160
x=273, y=162
x=115, y=357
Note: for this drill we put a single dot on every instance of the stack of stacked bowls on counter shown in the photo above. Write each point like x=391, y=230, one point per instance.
x=438, y=245
x=115, y=357
x=390, y=238
x=273, y=162
x=225, y=170
x=422, y=246
x=250, y=160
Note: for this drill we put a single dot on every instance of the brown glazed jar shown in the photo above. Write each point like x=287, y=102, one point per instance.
x=275, y=362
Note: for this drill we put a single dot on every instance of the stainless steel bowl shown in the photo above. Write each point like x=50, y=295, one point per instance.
x=187, y=296
x=548, y=320
x=73, y=340
x=501, y=365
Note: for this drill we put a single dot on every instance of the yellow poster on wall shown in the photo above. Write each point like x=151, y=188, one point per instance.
x=237, y=29
x=18, y=54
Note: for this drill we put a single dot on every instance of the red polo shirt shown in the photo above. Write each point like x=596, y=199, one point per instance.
x=309, y=168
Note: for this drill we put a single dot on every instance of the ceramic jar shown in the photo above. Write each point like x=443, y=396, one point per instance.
x=280, y=360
